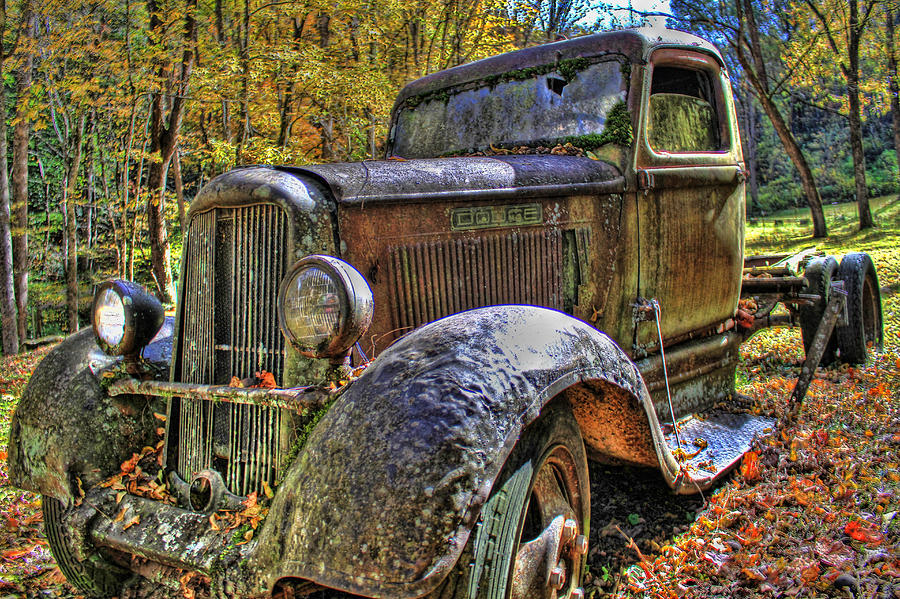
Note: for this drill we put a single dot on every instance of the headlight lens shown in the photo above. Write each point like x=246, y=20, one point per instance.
x=109, y=317
x=325, y=305
x=125, y=317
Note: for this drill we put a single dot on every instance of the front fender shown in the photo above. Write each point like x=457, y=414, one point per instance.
x=384, y=494
x=67, y=432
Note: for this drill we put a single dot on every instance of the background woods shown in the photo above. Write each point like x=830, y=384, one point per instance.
x=118, y=111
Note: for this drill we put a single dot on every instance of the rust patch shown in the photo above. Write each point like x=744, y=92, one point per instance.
x=613, y=423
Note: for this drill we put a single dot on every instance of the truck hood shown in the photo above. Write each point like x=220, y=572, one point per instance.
x=443, y=178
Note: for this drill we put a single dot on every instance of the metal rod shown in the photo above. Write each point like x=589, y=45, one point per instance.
x=291, y=399
x=833, y=309
x=662, y=354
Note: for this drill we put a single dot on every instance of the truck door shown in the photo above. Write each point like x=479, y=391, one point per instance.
x=690, y=197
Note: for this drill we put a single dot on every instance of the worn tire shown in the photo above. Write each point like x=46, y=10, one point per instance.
x=864, y=329
x=552, y=443
x=819, y=273
x=95, y=577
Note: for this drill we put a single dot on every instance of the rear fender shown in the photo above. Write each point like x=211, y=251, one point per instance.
x=67, y=434
x=384, y=494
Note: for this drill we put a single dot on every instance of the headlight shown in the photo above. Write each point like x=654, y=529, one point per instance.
x=324, y=307
x=125, y=317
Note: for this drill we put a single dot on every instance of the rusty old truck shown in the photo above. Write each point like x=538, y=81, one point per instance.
x=547, y=267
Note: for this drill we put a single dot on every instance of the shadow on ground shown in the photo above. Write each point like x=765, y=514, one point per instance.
x=631, y=503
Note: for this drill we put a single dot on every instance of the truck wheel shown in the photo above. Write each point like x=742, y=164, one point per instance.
x=95, y=577
x=819, y=273
x=531, y=540
x=864, y=327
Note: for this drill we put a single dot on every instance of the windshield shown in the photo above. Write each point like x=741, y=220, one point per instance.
x=540, y=106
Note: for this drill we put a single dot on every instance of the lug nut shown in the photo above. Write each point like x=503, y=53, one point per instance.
x=557, y=577
x=580, y=545
x=576, y=594
x=570, y=529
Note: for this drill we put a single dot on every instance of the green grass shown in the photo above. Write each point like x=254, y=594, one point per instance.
x=763, y=235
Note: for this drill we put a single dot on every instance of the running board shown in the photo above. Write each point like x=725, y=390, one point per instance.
x=711, y=445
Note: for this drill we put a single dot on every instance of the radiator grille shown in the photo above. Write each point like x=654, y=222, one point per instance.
x=436, y=279
x=234, y=261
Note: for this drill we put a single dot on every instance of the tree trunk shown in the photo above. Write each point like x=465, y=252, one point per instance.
x=7, y=289
x=747, y=121
x=757, y=74
x=179, y=193
x=894, y=87
x=72, y=228
x=164, y=132
x=753, y=151
x=160, y=254
x=856, y=145
x=46, y=188
x=746, y=42
x=796, y=155
x=20, y=178
x=244, y=61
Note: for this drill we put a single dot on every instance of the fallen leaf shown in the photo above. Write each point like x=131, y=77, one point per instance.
x=750, y=466
x=14, y=554
x=864, y=532
x=266, y=380
x=130, y=464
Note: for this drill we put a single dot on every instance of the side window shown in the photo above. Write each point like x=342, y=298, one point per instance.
x=683, y=115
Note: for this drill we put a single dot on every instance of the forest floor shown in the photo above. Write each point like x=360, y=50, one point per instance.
x=811, y=512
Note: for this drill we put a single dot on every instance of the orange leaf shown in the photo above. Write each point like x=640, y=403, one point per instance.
x=2, y=455
x=879, y=390
x=864, y=532
x=750, y=466
x=235, y=382
x=117, y=479
x=250, y=502
x=12, y=554
x=132, y=522
x=129, y=465
x=266, y=380
x=810, y=573
x=753, y=574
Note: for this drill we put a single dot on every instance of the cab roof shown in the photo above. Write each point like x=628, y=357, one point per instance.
x=635, y=45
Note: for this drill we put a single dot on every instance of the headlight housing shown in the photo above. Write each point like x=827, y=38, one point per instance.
x=324, y=306
x=125, y=317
